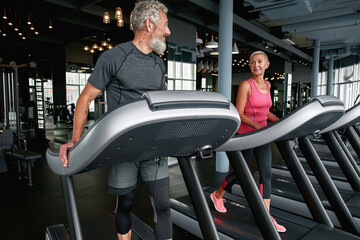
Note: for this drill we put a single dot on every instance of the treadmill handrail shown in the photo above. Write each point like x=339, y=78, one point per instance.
x=350, y=117
x=289, y=126
x=136, y=115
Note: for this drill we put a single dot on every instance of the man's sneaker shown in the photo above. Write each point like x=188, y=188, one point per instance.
x=279, y=228
x=218, y=203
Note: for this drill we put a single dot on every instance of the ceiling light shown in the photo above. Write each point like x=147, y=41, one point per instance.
x=235, y=49
x=118, y=13
x=29, y=20
x=288, y=41
x=199, y=41
x=106, y=18
x=200, y=66
x=215, y=53
x=201, y=54
x=119, y=17
x=131, y=28
x=104, y=43
x=206, y=67
x=4, y=16
x=212, y=43
x=50, y=24
x=211, y=67
x=120, y=23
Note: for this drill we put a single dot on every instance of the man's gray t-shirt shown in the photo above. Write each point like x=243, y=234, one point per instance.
x=126, y=73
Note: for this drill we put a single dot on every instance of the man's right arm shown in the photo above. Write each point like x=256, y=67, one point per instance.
x=80, y=116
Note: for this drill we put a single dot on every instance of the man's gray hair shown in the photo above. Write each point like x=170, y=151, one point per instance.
x=144, y=10
x=259, y=52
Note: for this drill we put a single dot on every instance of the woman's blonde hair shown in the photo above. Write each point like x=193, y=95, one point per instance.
x=259, y=52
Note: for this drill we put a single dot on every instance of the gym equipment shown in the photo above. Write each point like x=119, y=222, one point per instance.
x=286, y=194
x=163, y=123
x=311, y=117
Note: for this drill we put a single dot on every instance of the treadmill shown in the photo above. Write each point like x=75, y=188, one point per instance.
x=346, y=167
x=343, y=205
x=243, y=215
x=182, y=124
x=350, y=130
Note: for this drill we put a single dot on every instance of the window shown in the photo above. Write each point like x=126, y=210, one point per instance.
x=346, y=84
x=181, y=69
x=75, y=83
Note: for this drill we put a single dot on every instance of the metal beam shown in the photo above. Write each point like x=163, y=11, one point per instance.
x=214, y=8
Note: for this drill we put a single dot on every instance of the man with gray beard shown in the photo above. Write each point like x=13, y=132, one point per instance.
x=126, y=72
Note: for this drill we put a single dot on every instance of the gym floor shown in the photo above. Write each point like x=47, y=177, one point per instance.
x=26, y=211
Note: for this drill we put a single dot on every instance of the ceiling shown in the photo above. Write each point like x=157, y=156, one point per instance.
x=264, y=24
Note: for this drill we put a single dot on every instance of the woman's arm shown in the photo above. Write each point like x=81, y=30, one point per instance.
x=271, y=117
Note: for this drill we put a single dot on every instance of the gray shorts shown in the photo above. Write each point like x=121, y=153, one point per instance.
x=122, y=177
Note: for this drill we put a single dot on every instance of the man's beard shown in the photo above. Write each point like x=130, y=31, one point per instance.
x=158, y=45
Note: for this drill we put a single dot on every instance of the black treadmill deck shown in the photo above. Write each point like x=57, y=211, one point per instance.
x=238, y=222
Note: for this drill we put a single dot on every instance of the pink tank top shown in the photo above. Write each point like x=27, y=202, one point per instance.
x=256, y=108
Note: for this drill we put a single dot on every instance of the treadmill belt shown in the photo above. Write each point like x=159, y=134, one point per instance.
x=324, y=153
x=104, y=228
x=334, y=172
x=285, y=187
x=238, y=222
x=322, y=232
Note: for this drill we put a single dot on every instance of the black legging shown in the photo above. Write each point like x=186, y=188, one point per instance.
x=263, y=159
x=161, y=204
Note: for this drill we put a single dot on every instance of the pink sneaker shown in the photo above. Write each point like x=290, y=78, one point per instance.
x=218, y=203
x=279, y=228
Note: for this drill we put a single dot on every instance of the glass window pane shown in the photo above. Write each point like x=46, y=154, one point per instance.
x=178, y=73
x=188, y=71
x=178, y=85
x=72, y=94
x=83, y=78
x=170, y=85
x=72, y=78
x=189, y=85
x=171, y=69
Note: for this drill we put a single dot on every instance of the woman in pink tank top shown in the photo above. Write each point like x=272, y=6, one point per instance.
x=253, y=102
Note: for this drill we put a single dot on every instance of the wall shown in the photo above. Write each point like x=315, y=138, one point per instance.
x=182, y=33
x=239, y=77
x=76, y=54
x=302, y=74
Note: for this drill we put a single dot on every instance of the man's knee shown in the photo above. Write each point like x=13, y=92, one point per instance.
x=126, y=202
x=122, y=215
